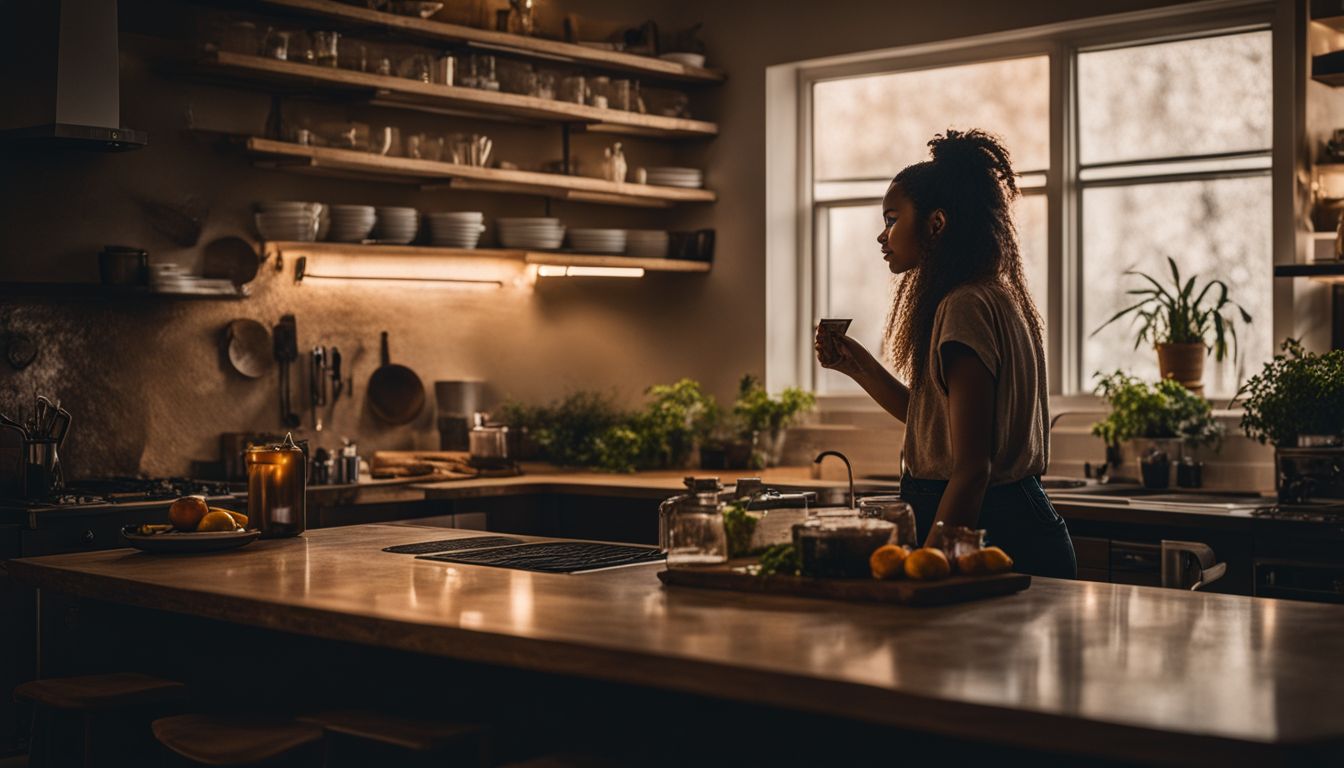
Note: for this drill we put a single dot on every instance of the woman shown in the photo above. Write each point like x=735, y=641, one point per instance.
x=964, y=330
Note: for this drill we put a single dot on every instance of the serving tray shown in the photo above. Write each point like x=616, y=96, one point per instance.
x=956, y=589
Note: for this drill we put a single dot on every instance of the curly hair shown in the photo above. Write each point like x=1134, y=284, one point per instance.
x=971, y=179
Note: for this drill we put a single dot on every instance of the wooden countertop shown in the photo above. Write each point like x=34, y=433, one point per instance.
x=1121, y=671
x=653, y=484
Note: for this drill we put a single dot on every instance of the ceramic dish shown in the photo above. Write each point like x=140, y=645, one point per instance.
x=188, y=543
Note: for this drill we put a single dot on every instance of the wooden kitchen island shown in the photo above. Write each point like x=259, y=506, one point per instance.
x=1073, y=669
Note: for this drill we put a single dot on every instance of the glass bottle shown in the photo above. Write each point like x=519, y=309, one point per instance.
x=277, y=486
x=696, y=535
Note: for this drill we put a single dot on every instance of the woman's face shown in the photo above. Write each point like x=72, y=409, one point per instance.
x=900, y=236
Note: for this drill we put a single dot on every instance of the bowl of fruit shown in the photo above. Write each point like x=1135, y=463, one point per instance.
x=193, y=526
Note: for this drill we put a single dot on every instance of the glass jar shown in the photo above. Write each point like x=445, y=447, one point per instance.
x=695, y=532
x=896, y=511
x=963, y=543
x=326, y=48
x=277, y=487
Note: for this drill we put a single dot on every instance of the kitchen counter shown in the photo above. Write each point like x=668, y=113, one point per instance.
x=1128, y=673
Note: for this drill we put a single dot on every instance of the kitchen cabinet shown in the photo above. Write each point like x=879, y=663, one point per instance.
x=1126, y=553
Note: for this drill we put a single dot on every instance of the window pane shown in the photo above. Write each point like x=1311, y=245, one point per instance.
x=1190, y=97
x=858, y=284
x=1218, y=228
x=873, y=126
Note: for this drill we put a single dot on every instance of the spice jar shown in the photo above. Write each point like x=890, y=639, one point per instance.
x=965, y=542
x=277, y=487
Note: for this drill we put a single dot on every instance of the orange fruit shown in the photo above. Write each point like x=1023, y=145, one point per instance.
x=218, y=520
x=971, y=564
x=927, y=564
x=994, y=560
x=888, y=561
x=238, y=517
x=186, y=513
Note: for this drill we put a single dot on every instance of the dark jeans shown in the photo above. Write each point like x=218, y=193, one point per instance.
x=1016, y=517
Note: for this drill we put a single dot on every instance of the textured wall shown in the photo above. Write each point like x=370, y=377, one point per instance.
x=146, y=381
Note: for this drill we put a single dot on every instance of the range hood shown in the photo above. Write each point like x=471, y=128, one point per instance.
x=62, y=65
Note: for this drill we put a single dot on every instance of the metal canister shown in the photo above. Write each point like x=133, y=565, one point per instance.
x=276, y=489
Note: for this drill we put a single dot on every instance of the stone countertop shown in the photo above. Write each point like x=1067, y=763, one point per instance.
x=1129, y=673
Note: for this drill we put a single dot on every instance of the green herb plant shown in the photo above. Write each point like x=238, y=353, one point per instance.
x=1296, y=393
x=1162, y=410
x=739, y=525
x=1175, y=314
x=762, y=413
x=779, y=559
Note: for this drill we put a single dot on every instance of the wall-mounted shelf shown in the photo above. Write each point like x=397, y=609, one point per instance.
x=88, y=291
x=285, y=250
x=533, y=47
x=1325, y=271
x=431, y=174
x=403, y=93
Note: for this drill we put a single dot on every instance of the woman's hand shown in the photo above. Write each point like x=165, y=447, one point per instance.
x=839, y=353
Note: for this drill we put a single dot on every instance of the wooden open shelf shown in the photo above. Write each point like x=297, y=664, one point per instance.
x=289, y=249
x=431, y=174
x=404, y=93
x=534, y=47
x=98, y=291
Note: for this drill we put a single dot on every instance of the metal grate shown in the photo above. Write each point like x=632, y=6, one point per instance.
x=452, y=545
x=555, y=556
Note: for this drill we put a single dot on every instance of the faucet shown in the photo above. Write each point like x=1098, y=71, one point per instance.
x=848, y=468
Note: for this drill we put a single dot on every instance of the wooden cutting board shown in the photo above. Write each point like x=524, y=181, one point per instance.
x=956, y=589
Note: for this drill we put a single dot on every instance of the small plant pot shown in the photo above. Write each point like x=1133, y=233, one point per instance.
x=1156, y=474
x=1184, y=363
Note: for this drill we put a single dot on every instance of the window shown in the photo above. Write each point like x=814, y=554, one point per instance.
x=866, y=129
x=1130, y=148
x=1174, y=147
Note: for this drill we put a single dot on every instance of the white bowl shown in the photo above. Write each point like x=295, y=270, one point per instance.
x=463, y=215
x=521, y=220
x=687, y=59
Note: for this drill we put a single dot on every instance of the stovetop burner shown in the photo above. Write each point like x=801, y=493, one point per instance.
x=131, y=490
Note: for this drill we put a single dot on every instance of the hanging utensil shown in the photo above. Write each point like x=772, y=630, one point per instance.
x=246, y=343
x=317, y=384
x=286, y=344
x=396, y=394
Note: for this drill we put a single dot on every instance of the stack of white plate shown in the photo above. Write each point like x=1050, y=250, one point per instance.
x=350, y=223
x=597, y=240
x=648, y=243
x=288, y=220
x=460, y=229
x=691, y=178
x=534, y=233
x=396, y=225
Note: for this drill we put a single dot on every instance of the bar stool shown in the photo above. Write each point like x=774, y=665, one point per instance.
x=229, y=740
x=365, y=737
x=110, y=713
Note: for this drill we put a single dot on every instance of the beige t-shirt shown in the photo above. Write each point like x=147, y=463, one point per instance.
x=985, y=319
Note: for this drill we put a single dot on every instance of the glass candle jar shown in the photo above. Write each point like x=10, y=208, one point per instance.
x=277, y=486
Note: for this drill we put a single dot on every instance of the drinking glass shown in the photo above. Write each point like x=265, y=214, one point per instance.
x=325, y=46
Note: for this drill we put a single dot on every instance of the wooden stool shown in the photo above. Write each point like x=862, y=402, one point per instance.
x=228, y=740
x=364, y=737
x=109, y=712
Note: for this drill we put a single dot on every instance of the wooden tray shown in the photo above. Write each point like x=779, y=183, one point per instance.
x=956, y=589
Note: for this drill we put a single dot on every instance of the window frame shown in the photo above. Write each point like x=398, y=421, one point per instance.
x=792, y=248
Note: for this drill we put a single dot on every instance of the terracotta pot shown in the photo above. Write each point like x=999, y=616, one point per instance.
x=1184, y=363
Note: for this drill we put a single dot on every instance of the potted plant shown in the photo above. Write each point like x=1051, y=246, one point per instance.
x=768, y=416
x=727, y=443
x=1183, y=325
x=1296, y=403
x=1166, y=413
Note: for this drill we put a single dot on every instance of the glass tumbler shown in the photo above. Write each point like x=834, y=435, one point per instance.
x=277, y=485
x=894, y=510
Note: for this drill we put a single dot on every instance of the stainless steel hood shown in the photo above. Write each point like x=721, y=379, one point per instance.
x=62, y=79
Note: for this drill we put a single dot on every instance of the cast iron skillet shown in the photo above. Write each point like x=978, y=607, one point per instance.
x=396, y=394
